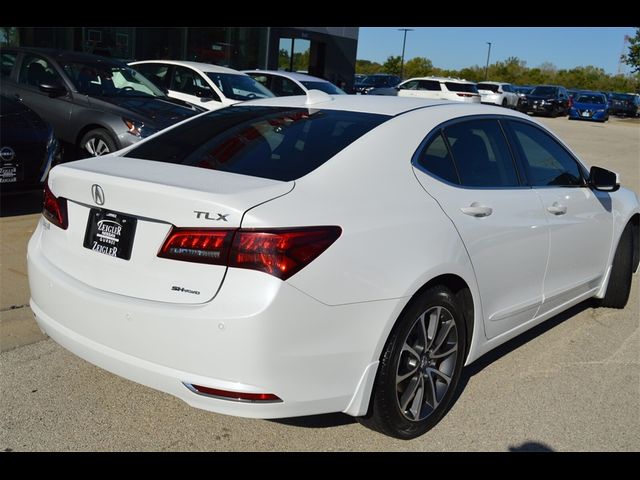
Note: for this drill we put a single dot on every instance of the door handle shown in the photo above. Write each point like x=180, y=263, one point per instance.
x=557, y=209
x=476, y=210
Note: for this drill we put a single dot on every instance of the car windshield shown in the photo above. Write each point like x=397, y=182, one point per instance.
x=622, y=96
x=279, y=143
x=109, y=80
x=326, y=87
x=544, y=91
x=461, y=87
x=239, y=87
x=599, y=99
x=488, y=86
x=376, y=80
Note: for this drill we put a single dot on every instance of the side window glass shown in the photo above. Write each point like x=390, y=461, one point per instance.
x=429, y=85
x=291, y=88
x=156, y=72
x=8, y=61
x=262, y=79
x=190, y=82
x=546, y=161
x=36, y=70
x=481, y=154
x=412, y=85
x=436, y=160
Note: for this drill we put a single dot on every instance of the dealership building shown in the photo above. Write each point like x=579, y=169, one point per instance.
x=327, y=52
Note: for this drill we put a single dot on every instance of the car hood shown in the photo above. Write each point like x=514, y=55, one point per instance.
x=155, y=112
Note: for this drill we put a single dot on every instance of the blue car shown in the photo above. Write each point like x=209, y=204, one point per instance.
x=589, y=106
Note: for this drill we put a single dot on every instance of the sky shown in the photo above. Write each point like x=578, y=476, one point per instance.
x=459, y=47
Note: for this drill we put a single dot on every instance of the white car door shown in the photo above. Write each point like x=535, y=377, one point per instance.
x=500, y=221
x=580, y=219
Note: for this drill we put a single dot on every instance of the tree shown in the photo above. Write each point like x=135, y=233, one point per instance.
x=367, y=67
x=392, y=65
x=633, y=57
x=418, y=67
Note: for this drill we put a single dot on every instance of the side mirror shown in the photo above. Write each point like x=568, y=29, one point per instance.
x=603, y=179
x=54, y=89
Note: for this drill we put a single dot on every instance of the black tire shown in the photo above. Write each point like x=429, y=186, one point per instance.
x=385, y=413
x=504, y=102
x=96, y=143
x=619, y=286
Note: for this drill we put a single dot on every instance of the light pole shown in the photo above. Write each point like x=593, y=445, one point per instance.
x=486, y=69
x=404, y=41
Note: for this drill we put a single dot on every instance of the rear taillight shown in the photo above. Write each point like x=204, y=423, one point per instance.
x=229, y=395
x=201, y=246
x=278, y=252
x=467, y=94
x=55, y=209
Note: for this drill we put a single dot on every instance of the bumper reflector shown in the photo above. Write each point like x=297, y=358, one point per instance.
x=237, y=396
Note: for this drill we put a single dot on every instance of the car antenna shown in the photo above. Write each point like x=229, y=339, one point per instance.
x=317, y=96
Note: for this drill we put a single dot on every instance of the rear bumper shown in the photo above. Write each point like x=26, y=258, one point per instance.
x=259, y=335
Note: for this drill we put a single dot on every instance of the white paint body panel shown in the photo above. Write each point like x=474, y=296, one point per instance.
x=315, y=339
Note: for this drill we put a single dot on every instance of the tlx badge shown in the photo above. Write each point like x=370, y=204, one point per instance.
x=209, y=216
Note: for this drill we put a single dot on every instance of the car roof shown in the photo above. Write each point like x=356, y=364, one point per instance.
x=66, y=54
x=378, y=104
x=203, y=67
x=442, y=79
x=488, y=82
x=301, y=77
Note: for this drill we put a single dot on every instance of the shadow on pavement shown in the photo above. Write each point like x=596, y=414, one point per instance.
x=21, y=203
x=326, y=420
x=531, y=447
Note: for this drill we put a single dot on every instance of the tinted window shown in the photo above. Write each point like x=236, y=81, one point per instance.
x=156, y=72
x=283, y=87
x=432, y=85
x=551, y=91
x=36, y=70
x=546, y=161
x=591, y=98
x=410, y=85
x=488, y=86
x=8, y=61
x=481, y=154
x=269, y=142
x=190, y=82
x=461, y=87
x=507, y=88
x=435, y=159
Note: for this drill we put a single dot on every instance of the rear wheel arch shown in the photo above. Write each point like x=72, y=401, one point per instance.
x=634, y=222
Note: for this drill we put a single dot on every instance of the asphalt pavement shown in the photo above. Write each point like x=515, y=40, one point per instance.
x=570, y=384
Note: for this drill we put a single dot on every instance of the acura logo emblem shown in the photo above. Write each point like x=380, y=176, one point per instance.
x=98, y=194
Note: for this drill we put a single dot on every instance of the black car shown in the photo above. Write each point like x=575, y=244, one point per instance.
x=552, y=100
x=624, y=104
x=28, y=148
x=379, y=80
x=94, y=103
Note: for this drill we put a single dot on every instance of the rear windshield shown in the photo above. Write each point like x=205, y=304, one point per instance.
x=461, y=87
x=279, y=143
x=488, y=86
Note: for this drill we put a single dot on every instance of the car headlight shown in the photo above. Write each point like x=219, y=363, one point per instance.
x=138, y=129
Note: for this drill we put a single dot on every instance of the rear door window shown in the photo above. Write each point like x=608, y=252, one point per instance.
x=432, y=85
x=437, y=160
x=481, y=154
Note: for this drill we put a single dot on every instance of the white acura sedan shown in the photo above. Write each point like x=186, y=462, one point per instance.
x=305, y=255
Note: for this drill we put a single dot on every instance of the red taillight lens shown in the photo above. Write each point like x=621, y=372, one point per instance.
x=55, y=209
x=280, y=253
x=251, y=397
x=201, y=246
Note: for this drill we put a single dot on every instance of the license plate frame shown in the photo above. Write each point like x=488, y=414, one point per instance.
x=110, y=233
